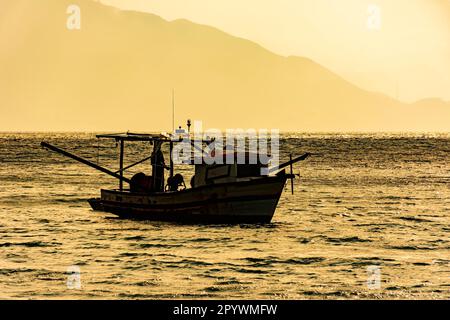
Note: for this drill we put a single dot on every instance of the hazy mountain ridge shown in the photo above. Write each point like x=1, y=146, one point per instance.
x=118, y=72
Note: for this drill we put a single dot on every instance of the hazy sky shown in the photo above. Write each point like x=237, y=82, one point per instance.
x=117, y=70
x=406, y=55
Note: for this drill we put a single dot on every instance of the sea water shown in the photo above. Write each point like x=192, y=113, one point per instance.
x=370, y=218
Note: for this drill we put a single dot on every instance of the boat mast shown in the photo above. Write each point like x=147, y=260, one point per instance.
x=173, y=110
x=173, y=132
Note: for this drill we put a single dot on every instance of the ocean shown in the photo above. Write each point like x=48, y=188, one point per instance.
x=370, y=219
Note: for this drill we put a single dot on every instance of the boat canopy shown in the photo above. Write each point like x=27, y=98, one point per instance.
x=154, y=137
x=129, y=136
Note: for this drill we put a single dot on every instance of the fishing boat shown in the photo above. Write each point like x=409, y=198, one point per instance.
x=227, y=192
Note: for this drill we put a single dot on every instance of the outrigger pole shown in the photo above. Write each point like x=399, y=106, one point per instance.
x=290, y=162
x=86, y=162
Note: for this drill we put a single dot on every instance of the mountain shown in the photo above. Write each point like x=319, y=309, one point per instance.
x=117, y=73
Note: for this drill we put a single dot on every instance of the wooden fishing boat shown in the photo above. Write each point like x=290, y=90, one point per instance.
x=219, y=193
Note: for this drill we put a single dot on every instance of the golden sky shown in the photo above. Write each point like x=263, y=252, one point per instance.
x=408, y=57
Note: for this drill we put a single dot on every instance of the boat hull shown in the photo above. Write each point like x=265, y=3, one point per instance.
x=252, y=201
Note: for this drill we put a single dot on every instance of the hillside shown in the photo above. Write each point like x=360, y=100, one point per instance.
x=118, y=71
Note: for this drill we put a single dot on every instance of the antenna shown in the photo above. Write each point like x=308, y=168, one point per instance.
x=173, y=111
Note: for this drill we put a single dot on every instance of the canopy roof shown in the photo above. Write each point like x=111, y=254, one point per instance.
x=129, y=136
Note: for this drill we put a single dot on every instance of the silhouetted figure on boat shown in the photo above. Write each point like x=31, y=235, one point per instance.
x=141, y=182
x=158, y=166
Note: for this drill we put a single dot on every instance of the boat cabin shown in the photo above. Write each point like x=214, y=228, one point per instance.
x=206, y=174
